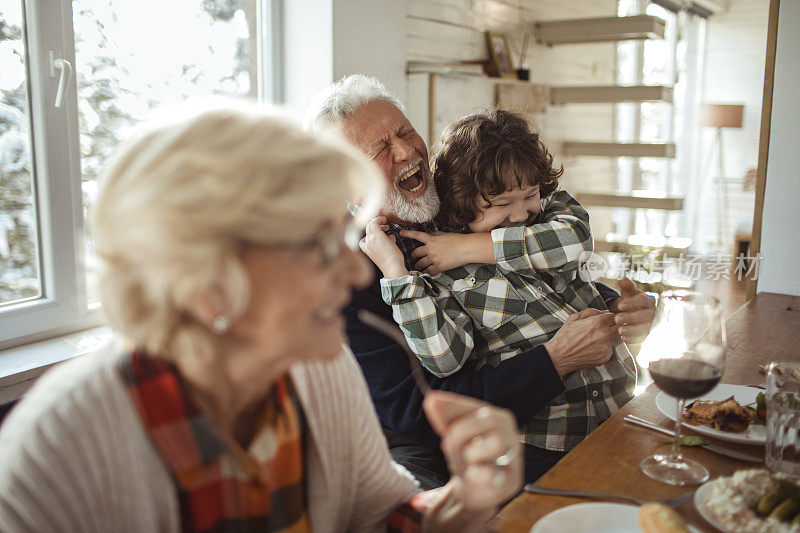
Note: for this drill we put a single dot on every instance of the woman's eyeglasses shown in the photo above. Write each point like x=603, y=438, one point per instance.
x=328, y=243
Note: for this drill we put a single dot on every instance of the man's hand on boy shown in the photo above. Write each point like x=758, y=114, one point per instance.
x=634, y=312
x=441, y=251
x=382, y=249
x=585, y=340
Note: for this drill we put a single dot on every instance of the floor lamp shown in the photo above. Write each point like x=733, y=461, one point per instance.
x=720, y=116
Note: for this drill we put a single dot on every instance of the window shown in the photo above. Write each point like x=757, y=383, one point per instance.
x=19, y=265
x=121, y=59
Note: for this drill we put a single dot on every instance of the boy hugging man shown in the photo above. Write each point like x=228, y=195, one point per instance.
x=505, y=277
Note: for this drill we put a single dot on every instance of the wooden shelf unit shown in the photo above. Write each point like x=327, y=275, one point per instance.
x=571, y=148
x=594, y=30
x=611, y=29
x=635, y=200
x=610, y=94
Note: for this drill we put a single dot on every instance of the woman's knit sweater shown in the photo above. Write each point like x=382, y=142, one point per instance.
x=74, y=456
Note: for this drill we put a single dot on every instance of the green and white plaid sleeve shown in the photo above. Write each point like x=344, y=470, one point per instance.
x=553, y=244
x=438, y=330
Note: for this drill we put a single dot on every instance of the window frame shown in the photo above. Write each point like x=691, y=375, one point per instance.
x=63, y=305
x=56, y=186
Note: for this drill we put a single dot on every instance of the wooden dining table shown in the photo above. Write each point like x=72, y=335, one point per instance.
x=767, y=328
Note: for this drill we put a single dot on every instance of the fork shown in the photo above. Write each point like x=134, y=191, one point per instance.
x=392, y=331
x=672, y=503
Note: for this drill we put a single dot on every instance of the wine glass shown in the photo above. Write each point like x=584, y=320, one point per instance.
x=685, y=354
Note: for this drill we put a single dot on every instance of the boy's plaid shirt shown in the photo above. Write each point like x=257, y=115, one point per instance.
x=489, y=313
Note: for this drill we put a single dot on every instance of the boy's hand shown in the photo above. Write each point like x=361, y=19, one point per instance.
x=634, y=312
x=441, y=251
x=382, y=249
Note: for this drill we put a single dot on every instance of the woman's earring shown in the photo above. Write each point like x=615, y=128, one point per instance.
x=221, y=324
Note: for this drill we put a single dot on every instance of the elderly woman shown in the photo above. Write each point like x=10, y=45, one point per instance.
x=227, y=256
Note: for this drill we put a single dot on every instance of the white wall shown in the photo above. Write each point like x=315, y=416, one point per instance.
x=370, y=38
x=308, y=51
x=326, y=39
x=780, y=235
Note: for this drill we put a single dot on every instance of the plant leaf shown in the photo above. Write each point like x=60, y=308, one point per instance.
x=689, y=440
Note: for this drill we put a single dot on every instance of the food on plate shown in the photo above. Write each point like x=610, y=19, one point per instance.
x=760, y=410
x=768, y=502
x=657, y=518
x=724, y=415
x=784, y=493
x=754, y=501
x=786, y=510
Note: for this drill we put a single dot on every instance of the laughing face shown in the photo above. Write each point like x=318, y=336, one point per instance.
x=385, y=135
x=516, y=206
x=293, y=291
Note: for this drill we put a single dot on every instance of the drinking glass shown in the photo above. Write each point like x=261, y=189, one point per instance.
x=685, y=355
x=783, y=418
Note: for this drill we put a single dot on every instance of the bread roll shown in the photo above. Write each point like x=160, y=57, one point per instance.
x=657, y=518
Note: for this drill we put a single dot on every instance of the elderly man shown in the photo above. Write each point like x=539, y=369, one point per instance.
x=373, y=120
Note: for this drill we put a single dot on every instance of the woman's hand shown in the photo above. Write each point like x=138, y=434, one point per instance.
x=484, y=455
x=382, y=249
x=441, y=251
x=634, y=312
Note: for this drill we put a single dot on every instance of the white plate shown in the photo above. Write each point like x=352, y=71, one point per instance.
x=592, y=518
x=699, y=504
x=756, y=434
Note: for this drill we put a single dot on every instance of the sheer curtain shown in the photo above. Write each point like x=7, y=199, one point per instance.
x=675, y=61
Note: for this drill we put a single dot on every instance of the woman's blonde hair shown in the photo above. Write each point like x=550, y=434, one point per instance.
x=176, y=206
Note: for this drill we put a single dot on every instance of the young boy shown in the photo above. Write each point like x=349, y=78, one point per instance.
x=511, y=277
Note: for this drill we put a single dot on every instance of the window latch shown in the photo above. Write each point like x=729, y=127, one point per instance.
x=63, y=79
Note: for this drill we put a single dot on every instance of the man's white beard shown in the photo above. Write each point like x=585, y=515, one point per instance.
x=417, y=210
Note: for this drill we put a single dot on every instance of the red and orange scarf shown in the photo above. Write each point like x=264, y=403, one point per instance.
x=222, y=487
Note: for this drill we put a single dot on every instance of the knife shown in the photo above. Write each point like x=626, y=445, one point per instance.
x=710, y=447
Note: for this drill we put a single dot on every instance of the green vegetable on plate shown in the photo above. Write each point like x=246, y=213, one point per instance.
x=689, y=440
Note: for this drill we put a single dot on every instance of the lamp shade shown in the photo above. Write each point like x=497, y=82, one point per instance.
x=721, y=115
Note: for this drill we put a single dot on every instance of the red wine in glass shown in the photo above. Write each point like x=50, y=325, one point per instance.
x=685, y=355
x=684, y=378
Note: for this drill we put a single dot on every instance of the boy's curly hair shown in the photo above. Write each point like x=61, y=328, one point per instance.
x=485, y=154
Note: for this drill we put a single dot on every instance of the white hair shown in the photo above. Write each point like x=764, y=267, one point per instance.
x=178, y=205
x=343, y=98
